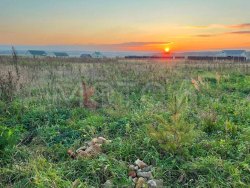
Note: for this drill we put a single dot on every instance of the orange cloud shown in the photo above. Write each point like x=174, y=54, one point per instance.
x=214, y=41
x=226, y=33
x=237, y=26
x=240, y=26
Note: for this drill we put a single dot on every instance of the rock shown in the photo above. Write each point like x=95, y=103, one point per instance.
x=71, y=154
x=147, y=175
x=140, y=163
x=101, y=140
x=81, y=149
x=152, y=184
x=147, y=169
x=89, y=143
x=132, y=174
x=83, y=154
x=108, y=184
x=140, y=183
x=159, y=183
x=90, y=151
x=94, y=141
x=133, y=167
x=92, y=148
x=135, y=180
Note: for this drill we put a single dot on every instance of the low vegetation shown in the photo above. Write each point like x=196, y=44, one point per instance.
x=189, y=120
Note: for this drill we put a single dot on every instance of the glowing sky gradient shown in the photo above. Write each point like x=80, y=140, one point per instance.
x=144, y=25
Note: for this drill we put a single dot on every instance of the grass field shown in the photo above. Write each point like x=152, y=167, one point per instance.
x=189, y=120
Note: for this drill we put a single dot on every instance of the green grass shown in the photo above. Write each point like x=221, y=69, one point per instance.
x=142, y=107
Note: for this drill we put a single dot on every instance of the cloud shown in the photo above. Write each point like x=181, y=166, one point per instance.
x=240, y=26
x=140, y=44
x=237, y=26
x=206, y=26
x=205, y=35
x=240, y=32
x=226, y=33
x=127, y=46
x=151, y=45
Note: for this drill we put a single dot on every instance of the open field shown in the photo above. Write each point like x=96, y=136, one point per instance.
x=189, y=120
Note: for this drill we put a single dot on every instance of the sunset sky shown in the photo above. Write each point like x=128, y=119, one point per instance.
x=127, y=25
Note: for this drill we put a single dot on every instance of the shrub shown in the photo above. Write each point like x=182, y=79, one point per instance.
x=9, y=82
x=8, y=138
x=173, y=137
x=8, y=87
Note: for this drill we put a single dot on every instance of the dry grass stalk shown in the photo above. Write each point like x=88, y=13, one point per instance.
x=88, y=92
x=218, y=77
x=8, y=86
x=196, y=84
x=201, y=80
x=15, y=61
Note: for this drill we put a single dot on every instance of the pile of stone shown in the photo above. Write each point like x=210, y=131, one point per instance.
x=142, y=176
x=90, y=149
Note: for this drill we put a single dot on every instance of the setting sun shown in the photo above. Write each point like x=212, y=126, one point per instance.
x=167, y=50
